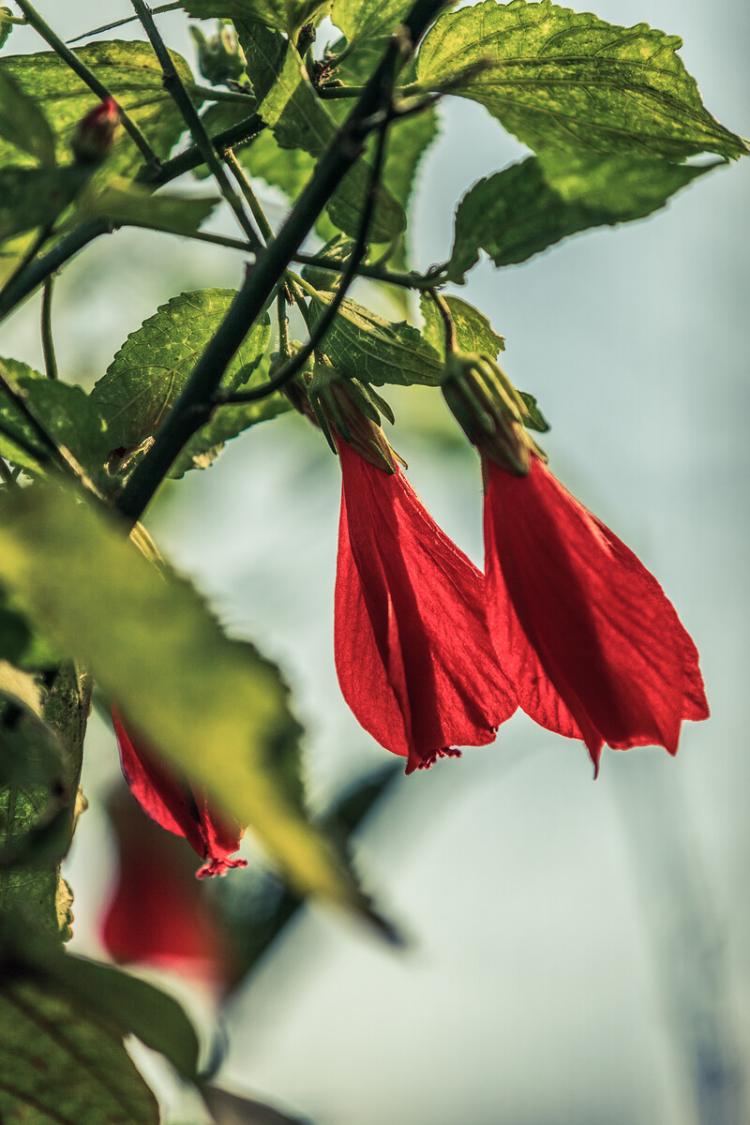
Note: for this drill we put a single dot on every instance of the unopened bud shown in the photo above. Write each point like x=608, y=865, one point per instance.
x=221, y=59
x=350, y=409
x=96, y=133
x=489, y=409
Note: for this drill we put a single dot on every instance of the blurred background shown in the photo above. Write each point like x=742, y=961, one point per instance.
x=579, y=952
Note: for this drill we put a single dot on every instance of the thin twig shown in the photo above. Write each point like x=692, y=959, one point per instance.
x=60, y=48
x=128, y=19
x=48, y=343
x=289, y=369
x=243, y=183
x=177, y=89
x=214, y=94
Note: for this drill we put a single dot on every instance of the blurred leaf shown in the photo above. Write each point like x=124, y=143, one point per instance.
x=230, y=1109
x=5, y=25
x=474, y=333
x=122, y=202
x=22, y=122
x=569, y=80
x=14, y=632
x=284, y=15
x=35, y=197
x=216, y=710
x=408, y=142
x=66, y=412
x=131, y=73
x=230, y=421
x=365, y=346
x=153, y=365
x=68, y=1065
x=529, y=206
x=299, y=119
x=20, y=687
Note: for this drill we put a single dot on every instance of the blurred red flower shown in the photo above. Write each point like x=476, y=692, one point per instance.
x=175, y=806
x=413, y=652
x=587, y=635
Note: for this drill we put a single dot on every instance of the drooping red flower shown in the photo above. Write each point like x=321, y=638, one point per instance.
x=413, y=652
x=158, y=914
x=175, y=806
x=585, y=632
x=96, y=132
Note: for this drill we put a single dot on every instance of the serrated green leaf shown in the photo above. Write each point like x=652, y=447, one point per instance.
x=229, y=422
x=283, y=15
x=35, y=197
x=66, y=412
x=474, y=333
x=365, y=346
x=215, y=709
x=569, y=80
x=300, y=120
x=63, y=1064
x=368, y=22
x=128, y=204
x=536, y=203
x=131, y=73
x=155, y=362
x=22, y=122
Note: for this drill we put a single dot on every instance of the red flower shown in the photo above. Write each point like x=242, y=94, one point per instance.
x=158, y=914
x=96, y=132
x=594, y=647
x=413, y=652
x=173, y=805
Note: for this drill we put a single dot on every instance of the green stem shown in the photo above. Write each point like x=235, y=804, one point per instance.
x=193, y=405
x=60, y=48
x=213, y=94
x=176, y=88
x=449, y=328
x=48, y=343
x=128, y=19
x=243, y=182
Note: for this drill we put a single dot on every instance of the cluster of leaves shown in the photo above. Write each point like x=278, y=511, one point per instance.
x=613, y=122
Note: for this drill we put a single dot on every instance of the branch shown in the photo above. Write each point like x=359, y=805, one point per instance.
x=48, y=343
x=174, y=84
x=64, y=52
x=449, y=328
x=128, y=19
x=345, y=149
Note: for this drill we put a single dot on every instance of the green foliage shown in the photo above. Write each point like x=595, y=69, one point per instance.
x=5, y=25
x=367, y=24
x=35, y=197
x=284, y=15
x=22, y=123
x=152, y=366
x=216, y=710
x=67, y=413
x=130, y=72
x=474, y=333
x=128, y=204
x=532, y=205
x=363, y=345
x=569, y=80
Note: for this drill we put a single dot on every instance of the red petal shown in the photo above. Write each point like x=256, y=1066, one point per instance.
x=173, y=805
x=595, y=647
x=413, y=653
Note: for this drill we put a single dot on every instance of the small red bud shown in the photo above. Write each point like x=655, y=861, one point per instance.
x=96, y=133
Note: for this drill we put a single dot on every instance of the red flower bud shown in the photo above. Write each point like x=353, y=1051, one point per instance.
x=413, y=651
x=96, y=132
x=594, y=647
x=176, y=807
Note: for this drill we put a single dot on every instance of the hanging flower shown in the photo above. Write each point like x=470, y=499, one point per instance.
x=158, y=914
x=595, y=649
x=413, y=652
x=96, y=133
x=173, y=805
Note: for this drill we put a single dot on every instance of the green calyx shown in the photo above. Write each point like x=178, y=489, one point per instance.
x=221, y=59
x=351, y=410
x=491, y=412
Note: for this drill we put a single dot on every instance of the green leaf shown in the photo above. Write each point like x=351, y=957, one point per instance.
x=534, y=419
x=365, y=346
x=367, y=25
x=63, y=1064
x=22, y=122
x=530, y=206
x=474, y=333
x=229, y=422
x=131, y=73
x=215, y=709
x=35, y=197
x=128, y=204
x=5, y=25
x=155, y=362
x=299, y=119
x=15, y=636
x=569, y=80
x=283, y=15
x=66, y=412
x=408, y=142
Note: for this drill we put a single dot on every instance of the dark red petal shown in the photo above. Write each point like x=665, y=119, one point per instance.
x=173, y=805
x=596, y=648
x=157, y=913
x=413, y=653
